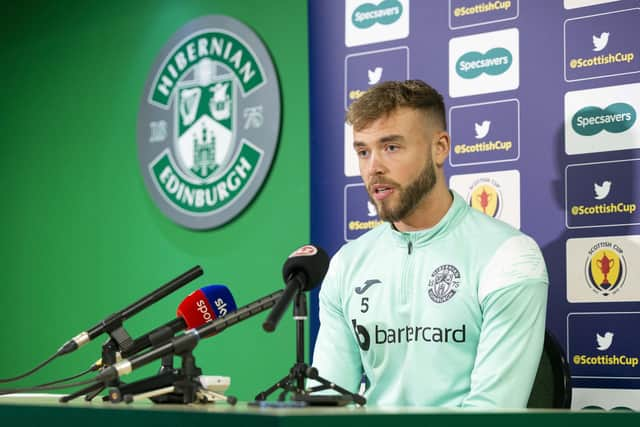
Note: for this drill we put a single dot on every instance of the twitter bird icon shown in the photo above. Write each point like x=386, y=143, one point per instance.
x=602, y=190
x=604, y=342
x=371, y=209
x=600, y=43
x=483, y=129
x=375, y=75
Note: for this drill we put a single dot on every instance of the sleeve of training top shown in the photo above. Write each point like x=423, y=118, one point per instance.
x=336, y=353
x=513, y=297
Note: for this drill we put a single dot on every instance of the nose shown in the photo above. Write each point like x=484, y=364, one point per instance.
x=374, y=165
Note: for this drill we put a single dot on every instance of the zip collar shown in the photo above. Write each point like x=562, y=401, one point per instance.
x=420, y=238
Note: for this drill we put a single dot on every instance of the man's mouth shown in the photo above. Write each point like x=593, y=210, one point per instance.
x=381, y=191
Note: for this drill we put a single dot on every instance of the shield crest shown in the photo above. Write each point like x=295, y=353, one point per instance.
x=205, y=119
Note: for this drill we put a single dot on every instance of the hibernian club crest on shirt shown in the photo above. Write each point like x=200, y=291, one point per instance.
x=209, y=122
x=443, y=283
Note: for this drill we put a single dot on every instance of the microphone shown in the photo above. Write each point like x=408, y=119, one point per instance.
x=114, y=321
x=189, y=340
x=199, y=307
x=304, y=270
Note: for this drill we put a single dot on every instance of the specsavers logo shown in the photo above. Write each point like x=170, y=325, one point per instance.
x=606, y=268
x=484, y=63
x=602, y=119
x=372, y=22
x=385, y=13
x=209, y=122
x=472, y=64
x=615, y=118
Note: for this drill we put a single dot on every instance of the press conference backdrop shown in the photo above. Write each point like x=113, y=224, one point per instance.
x=542, y=101
x=81, y=236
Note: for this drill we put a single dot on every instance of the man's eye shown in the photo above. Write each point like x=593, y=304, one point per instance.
x=362, y=153
x=392, y=148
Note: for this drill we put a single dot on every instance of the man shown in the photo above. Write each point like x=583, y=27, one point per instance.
x=441, y=305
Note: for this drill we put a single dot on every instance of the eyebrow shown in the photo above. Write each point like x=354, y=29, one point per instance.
x=385, y=139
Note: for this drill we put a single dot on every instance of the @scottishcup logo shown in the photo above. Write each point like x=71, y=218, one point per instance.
x=443, y=283
x=209, y=122
x=606, y=268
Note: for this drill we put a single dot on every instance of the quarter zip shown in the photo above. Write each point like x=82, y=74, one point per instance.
x=406, y=284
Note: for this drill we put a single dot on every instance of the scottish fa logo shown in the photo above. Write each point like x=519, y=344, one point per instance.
x=605, y=268
x=209, y=122
x=485, y=195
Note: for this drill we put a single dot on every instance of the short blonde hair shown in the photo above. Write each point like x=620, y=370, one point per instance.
x=385, y=97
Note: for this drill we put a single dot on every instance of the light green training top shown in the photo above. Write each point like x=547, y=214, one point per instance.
x=450, y=316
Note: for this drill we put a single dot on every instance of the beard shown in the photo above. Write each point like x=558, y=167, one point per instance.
x=410, y=195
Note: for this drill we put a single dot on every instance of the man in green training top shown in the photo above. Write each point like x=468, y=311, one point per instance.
x=441, y=305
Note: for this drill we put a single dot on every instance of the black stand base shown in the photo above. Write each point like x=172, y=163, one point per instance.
x=298, y=375
x=170, y=386
x=295, y=381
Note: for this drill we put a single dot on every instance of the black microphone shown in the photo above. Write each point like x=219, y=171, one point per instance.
x=114, y=321
x=303, y=271
x=189, y=340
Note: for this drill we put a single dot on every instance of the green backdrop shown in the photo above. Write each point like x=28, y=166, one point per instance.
x=81, y=237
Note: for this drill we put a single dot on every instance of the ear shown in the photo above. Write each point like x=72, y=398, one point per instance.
x=440, y=146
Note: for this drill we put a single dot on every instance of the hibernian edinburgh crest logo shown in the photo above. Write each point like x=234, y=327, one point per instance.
x=209, y=122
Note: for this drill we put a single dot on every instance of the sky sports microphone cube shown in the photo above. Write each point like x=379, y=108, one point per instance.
x=205, y=305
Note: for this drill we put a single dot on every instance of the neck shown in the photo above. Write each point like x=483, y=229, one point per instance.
x=431, y=209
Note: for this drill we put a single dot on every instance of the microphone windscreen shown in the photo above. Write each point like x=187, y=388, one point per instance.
x=205, y=305
x=310, y=260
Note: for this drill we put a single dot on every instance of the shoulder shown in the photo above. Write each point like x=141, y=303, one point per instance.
x=363, y=244
x=517, y=260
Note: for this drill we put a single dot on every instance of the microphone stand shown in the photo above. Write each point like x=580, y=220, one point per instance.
x=294, y=382
x=119, y=340
x=170, y=385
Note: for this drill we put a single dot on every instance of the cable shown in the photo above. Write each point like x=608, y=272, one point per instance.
x=26, y=374
x=92, y=368
x=46, y=387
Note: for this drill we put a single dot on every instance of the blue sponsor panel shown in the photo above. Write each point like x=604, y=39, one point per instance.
x=360, y=213
x=599, y=194
x=469, y=13
x=485, y=133
x=604, y=345
x=364, y=70
x=602, y=45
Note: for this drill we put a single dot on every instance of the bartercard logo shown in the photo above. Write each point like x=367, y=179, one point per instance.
x=408, y=334
x=601, y=190
x=604, y=342
x=374, y=76
x=494, y=62
x=385, y=13
x=600, y=42
x=615, y=118
x=482, y=129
